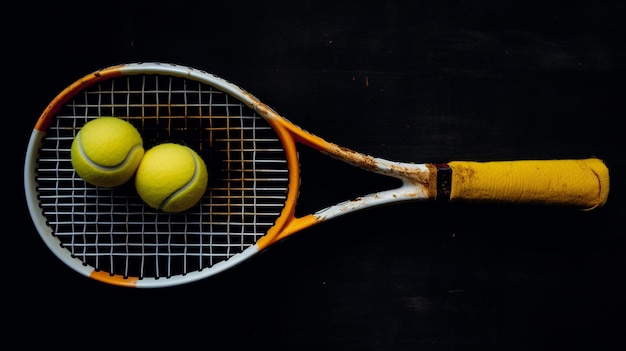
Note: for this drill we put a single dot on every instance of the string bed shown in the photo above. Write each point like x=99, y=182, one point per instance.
x=112, y=230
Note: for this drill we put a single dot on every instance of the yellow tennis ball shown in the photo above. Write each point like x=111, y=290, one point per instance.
x=106, y=151
x=171, y=177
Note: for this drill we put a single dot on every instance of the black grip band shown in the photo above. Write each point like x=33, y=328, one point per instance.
x=444, y=182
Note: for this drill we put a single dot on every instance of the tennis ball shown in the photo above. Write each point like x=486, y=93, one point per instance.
x=171, y=177
x=106, y=151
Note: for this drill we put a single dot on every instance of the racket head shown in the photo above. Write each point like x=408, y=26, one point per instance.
x=109, y=234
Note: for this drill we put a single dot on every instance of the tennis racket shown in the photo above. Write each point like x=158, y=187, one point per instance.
x=110, y=235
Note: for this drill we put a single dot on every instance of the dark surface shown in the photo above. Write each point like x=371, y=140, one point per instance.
x=404, y=80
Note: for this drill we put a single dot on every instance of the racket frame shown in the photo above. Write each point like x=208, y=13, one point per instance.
x=418, y=180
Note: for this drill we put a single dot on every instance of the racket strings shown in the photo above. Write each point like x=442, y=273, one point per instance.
x=112, y=230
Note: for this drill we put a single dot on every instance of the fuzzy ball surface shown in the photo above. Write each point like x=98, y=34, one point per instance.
x=107, y=151
x=171, y=177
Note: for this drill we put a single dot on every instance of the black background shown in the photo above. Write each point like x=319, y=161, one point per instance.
x=421, y=81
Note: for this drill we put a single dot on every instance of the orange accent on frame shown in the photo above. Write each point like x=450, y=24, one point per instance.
x=53, y=107
x=290, y=134
x=114, y=279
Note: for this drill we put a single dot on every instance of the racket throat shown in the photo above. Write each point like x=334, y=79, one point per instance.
x=409, y=191
x=290, y=226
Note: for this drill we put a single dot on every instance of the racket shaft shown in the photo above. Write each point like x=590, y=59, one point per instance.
x=582, y=184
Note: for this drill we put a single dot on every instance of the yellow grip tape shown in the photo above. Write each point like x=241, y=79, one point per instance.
x=583, y=184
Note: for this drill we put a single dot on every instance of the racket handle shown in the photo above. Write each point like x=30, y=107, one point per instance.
x=582, y=184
